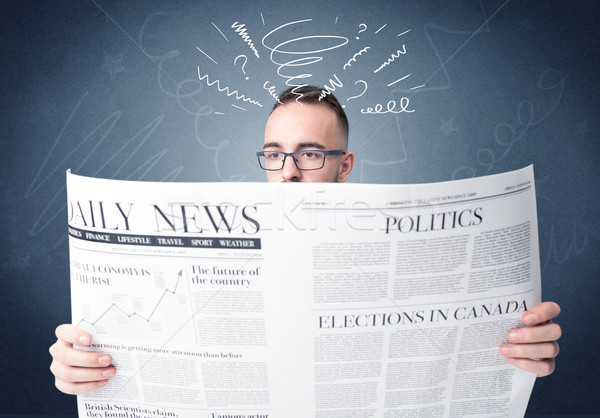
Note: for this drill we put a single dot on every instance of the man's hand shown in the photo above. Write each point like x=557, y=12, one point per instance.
x=534, y=347
x=78, y=371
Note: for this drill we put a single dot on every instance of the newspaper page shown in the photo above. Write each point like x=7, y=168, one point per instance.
x=224, y=300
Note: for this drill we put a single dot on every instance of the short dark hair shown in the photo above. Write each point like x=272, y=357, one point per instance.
x=315, y=95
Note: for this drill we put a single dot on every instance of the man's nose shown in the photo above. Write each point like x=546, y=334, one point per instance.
x=290, y=172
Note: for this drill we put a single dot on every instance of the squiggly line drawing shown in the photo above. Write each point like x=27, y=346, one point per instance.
x=573, y=247
x=443, y=63
x=506, y=134
x=391, y=106
x=358, y=95
x=353, y=59
x=103, y=130
x=300, y=61
x=272, y=91
x=143, y=31
x=300, y=95
x=225, y=89
x=483, y=28
x=392, y=58
x=241, y=30
x=327, y=90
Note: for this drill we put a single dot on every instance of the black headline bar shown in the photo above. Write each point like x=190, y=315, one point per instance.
x=166, y=240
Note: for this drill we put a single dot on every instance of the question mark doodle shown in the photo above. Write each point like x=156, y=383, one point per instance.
x=243, y=65
x=362, y=24
x=363, y=92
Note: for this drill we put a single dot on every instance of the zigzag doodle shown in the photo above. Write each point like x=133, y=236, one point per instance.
x=241, y=30
x=394, y=56
x=327, y=90
x=238, y=96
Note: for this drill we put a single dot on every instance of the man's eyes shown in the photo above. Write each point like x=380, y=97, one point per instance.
x=309, y=155
x=305, y=155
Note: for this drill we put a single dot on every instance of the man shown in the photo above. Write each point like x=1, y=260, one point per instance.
x=306, y=140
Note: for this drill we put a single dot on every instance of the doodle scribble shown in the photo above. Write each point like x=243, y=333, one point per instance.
x=391, y=106
x=554, y=253
x=243, y=65
x=272, y=91
x=293, y=63
x=357, y=96
x=507, y=135
x=362, y=30
x=353, y=59
x=238, y=96
x=300, y=95
x=241, y=30
x=327, y=89
x=392, y=58
x=91, y=144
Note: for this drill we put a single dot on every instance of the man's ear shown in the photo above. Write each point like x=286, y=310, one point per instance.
x=345, y=167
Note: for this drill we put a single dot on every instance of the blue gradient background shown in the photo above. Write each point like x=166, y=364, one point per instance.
x=110, y=88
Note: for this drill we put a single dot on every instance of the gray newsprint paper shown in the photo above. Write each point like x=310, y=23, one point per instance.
x=222, y=300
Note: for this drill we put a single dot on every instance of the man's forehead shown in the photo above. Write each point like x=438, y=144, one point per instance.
x=315, y=144
x=292, y=126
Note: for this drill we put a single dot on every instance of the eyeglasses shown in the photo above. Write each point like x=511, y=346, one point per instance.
x=305, y=160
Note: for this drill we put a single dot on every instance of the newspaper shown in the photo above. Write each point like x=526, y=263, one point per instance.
x=224, y=300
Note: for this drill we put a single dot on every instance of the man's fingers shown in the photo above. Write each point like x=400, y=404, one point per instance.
x=70, y=334
x=532, y=351
x=78, y=388
x=64, y=353
x=541, y=313
x=70, y=374
x=540, y=367
x=537, y=334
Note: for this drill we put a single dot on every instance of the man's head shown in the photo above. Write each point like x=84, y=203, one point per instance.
x=300, y=121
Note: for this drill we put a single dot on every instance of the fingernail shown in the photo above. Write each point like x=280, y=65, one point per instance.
x=514, y=335
x=109, y=373
x=104, y=360
x=84, y=340
x=102, y=383
x=506, y=350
